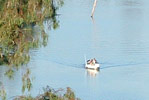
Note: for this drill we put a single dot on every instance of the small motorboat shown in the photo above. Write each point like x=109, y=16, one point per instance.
x=92, y=64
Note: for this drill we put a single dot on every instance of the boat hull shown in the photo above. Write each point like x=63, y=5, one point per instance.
x=93, y=67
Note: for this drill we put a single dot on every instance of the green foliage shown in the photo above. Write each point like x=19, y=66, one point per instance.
x=69, y=94
x=2, y=92
x=9, y=73
x=51, y=94
x=18, y=19
x=27, y=83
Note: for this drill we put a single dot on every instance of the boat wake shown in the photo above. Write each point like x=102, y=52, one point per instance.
x=104, y=65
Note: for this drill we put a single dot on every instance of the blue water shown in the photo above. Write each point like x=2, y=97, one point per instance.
x=117, y=37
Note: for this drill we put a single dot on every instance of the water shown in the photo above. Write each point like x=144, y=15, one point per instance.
x=117, y=38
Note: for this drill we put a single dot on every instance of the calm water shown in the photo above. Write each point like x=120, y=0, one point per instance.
x=118, y=38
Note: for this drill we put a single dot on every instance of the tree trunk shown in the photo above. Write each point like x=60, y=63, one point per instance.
x=93, y=10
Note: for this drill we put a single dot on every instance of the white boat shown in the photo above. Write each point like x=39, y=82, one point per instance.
x=94, y=67
x=92, y=64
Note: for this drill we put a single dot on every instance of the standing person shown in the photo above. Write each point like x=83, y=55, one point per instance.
x=95, y=60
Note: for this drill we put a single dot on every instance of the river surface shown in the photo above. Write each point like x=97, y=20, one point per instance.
x=118, y=37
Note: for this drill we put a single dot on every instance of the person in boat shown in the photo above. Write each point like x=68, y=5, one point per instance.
x=88, y=61
x=92, y=61
x=95, y=60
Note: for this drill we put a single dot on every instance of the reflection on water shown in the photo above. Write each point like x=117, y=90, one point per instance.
x=92, y=73
x=3, y=93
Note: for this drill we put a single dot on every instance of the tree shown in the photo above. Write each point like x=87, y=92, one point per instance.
x=18, y=19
